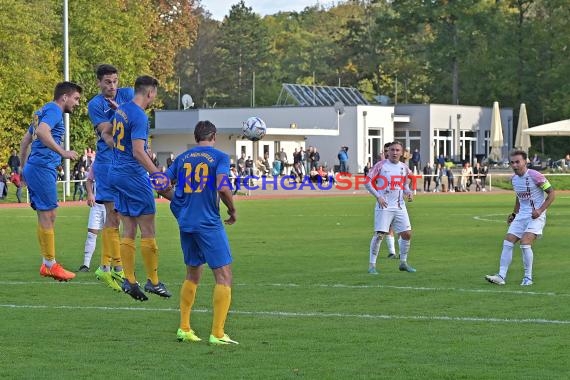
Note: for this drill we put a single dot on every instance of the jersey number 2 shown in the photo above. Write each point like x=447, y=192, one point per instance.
x=118, y=126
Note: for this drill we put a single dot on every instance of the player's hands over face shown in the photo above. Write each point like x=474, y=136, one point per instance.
x=232, y=218
x=71, y=154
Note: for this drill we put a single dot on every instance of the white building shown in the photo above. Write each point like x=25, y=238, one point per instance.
x=457, y=132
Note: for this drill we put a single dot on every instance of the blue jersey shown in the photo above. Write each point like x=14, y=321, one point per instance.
x=195, y=204
x=41, y=155
x=99, y=112
x=129, y=123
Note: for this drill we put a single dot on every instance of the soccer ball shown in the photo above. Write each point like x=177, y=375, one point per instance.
x=254, y=129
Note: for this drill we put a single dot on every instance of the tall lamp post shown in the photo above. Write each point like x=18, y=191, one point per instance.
x=66, y=78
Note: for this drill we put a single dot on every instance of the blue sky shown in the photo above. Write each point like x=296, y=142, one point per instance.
x=221, y=8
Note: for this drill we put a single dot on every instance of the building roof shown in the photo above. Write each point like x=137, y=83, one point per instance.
x=305, y=95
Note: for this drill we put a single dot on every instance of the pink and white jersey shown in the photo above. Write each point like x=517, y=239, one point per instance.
x=391, y=182
x=529, y=189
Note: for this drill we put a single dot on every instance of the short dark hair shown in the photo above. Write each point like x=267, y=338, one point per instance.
x=144, y=83
x=105, y=69
x=66, y=88
x=204, y=131
x=396, y=142
x=519, y=153
x=387, y=145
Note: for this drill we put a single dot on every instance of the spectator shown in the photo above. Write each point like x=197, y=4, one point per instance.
x=155, y=160
x=405, y=158
x=466, y=174
x=241, y=165
x=82, y=163
x=283, y=160
x=3, y=184
x=14, y=162
x=249, y=166
x=90, y=154
x=60, y=173
x=79, y=186
x=450, y=180
x=416, y=161
x=322, y=173
x=343, y=160
x=483, y=175
x=276, y=166
x=367, y=168
x=233, y=175
x=476, y=178
x=307, y=159
x=17, y=181
x=441, y=160
x=262, y=167
x=169, y=160
x=428, y=171
x=330, y=175
x=315, y=158
x=438, y=174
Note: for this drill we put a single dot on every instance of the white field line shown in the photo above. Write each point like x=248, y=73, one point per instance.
x=287, y=314
x=495, y=289
x=486, y=218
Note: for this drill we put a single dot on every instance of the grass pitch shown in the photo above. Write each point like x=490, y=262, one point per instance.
x=303, y=304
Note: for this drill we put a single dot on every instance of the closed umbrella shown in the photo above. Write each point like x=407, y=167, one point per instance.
x=496, y=134
x=522, y=140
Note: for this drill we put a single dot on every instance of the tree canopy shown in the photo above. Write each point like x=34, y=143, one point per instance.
x=469, y=52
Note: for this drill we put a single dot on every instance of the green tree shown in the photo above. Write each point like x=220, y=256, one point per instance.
x=242, y=50
x=28, y=66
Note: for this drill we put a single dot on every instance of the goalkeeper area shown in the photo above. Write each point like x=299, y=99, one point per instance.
x=303, y=304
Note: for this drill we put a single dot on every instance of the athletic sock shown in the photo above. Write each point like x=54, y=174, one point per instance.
x=128, y=250
x=187, y=297
x=115, y=245
x=390, y=242
x=149, y=251
x=90, y=244
x=375, y=243
x=221, y=300
x=404, y=249
x=506, y=258
x=527, y=259
x=107, y=250
x=46, y=238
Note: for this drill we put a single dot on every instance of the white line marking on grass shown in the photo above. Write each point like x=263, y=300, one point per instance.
x=485, y=218
x=335, y=286
x=418, y=288
x=307, y=314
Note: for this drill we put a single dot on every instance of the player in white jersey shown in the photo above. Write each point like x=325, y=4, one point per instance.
x=390, y=236
x=96, y=221
x=534, y=194
x=388, y=182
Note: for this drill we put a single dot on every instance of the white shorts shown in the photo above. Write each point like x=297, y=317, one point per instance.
x=97, y=217
x=398, y=219
x=527, y=224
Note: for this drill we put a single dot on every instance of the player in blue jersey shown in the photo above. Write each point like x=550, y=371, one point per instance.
x=202, y=180
x=134, y=198
x=40, y=170
x=101, y=109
